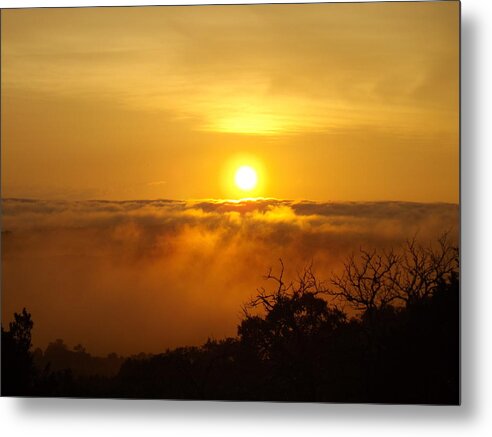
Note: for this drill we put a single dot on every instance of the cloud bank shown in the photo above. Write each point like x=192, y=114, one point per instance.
x=135, y=276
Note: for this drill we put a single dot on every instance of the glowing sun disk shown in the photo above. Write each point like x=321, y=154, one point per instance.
x=246, y=178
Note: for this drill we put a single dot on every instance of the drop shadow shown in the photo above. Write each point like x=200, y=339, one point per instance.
x=469, y=206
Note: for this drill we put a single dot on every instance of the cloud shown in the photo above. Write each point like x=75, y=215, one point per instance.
x=351, y=64
x=136, y=276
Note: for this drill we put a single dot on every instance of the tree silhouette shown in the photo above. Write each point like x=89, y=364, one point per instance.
x=402, y=298
x=17, y=363
x=293, y=336
x=294, y=311
x=376, y=279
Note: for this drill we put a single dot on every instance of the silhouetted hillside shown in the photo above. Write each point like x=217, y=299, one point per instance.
x=58, y=357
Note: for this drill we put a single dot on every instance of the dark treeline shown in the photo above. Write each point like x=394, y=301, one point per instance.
x=384, y=330
x=58, y=357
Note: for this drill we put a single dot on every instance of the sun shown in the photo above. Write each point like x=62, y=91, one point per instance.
x=246, y=178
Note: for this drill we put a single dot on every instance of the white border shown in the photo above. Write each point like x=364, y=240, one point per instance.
x=57, y=417
x=65, y=3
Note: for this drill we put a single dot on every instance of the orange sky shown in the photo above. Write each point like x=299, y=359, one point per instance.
x=327, y=101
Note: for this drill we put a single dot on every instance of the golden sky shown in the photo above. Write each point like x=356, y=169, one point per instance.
x=325, y=101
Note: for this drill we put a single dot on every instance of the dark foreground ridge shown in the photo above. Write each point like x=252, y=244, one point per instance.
x=396, y=340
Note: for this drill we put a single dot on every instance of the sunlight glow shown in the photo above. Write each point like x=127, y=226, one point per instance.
x=246, y=178
x=250, y=123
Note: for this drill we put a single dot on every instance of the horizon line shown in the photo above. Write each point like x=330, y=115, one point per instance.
x=223, y=200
